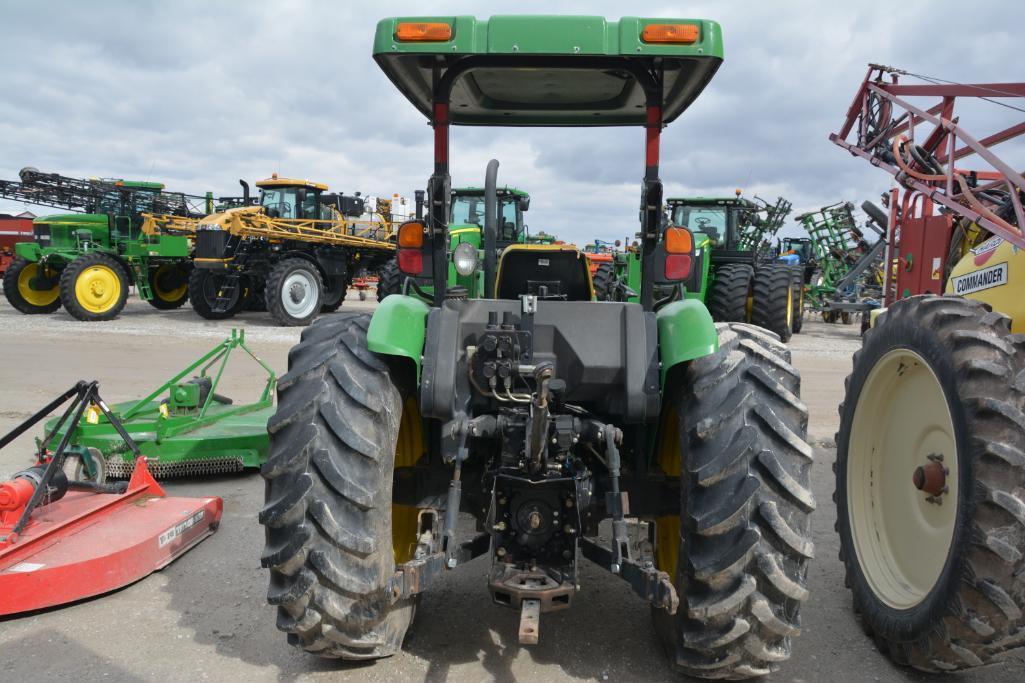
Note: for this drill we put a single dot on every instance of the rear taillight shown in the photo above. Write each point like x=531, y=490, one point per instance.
x=411, y=261
x=677, y=267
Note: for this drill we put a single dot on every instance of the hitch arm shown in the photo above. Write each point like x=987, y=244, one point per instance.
x=651, y=584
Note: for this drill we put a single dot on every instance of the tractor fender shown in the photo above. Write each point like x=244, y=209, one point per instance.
x=685, y=332
x=399, y=328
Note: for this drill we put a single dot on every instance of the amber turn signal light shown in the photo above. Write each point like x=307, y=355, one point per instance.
x=679, y=241
x=411, y=235
x=681, y=34
x=423, y=32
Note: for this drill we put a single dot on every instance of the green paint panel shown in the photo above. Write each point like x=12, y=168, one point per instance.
x=685, y=332
x=398, y=328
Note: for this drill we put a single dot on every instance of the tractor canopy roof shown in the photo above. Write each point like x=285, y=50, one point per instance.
x=275, y=181
x=549, y=70
x=711, y=201
x=479, y=191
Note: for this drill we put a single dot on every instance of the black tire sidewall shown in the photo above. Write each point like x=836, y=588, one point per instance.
x=13, y=295
x=911, y=624
x=167, y=304
x=275, y=305
x=197, y=295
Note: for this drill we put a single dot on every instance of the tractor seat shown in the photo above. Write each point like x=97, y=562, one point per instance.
x=548, y=271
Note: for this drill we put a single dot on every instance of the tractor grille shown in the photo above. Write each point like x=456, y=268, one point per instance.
x=212, y=244
x=117, y=468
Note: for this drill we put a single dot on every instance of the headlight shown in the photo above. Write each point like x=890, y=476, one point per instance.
x=465, y=258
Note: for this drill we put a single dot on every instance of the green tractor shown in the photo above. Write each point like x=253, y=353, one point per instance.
x=537, y=410
x=737, y=284
x=87, y=261
x=729, y=274
x=465, y=220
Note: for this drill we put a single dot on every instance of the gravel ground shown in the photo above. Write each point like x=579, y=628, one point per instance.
x=204, y=617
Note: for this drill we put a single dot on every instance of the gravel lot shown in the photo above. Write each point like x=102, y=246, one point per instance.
x=204, y=617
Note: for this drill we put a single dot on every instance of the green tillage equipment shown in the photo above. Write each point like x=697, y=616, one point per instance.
x=184, y=426
x=842, y=257
x=757, y=232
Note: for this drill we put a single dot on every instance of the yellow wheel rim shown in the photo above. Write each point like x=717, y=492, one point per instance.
x=98, y=288
x=408, y=449
x=667, y=529
x=173, y=294
x=35, y=297
x=901, y=422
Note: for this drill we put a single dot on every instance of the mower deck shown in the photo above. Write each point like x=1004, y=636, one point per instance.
x=87, y=544
x=227, y=441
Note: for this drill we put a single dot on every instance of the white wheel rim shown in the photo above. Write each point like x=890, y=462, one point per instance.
x=901, y=539
x=299, y=294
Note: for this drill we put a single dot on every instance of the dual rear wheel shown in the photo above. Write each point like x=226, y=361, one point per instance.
x=768, y=297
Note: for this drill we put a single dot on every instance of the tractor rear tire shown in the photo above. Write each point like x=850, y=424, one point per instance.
x=22, y=297
x=798, y=293
x=94, y=287
x=169, y=283
x=773, y=301
x=295, y=292
x=727, y=297
x=334, y=296
x=328, y=511
x=936, y=585
x=389, y=280
x=744, y=533
x=203, y=287
x=603, y=281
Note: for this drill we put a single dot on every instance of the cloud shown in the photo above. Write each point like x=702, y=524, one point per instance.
x=198, y=94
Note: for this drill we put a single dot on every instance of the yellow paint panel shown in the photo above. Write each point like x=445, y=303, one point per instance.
x=995, y=276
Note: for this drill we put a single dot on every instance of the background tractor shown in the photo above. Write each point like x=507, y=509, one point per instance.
x=540, y=412
x=465, y=221
x=293, y=253
x=930, y=467
x=734, y=274
x=86, y=261
x=736, y=282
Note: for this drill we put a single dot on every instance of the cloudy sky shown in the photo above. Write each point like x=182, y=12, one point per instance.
x=199, y=94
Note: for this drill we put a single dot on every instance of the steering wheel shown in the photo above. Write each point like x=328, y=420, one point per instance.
x=702, y=222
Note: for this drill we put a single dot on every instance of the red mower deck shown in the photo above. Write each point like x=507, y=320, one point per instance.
x=87, y=543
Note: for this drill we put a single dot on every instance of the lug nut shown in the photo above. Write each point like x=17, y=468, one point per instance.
x=500, y=551
x=568, y=502
x=500, y=526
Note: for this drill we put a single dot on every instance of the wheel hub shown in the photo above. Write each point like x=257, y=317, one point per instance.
x=931, y=478
x=299, y=294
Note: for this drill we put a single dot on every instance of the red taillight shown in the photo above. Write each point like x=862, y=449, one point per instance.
x=677, y=267
x=411, y=261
